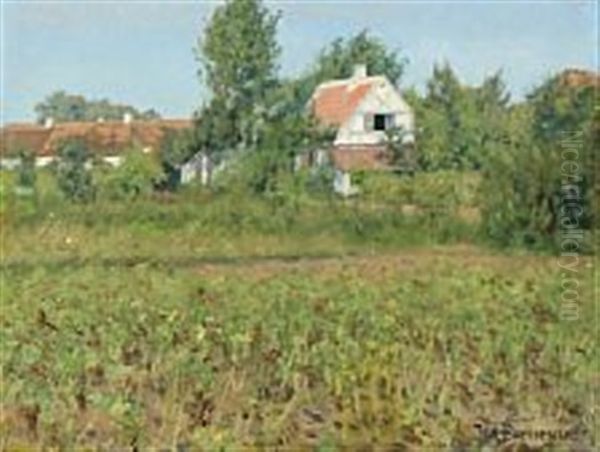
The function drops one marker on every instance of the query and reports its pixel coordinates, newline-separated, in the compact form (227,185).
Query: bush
(73,178)
(26,175)
(447,189)
(319,181)
(136,176)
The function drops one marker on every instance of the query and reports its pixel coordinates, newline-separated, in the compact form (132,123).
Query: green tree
(566,126)
(238,54)
(215,131)
(457,124)
(528,192)
(490,117)
(339,58)
(61,107)
(73,178)
(337,61)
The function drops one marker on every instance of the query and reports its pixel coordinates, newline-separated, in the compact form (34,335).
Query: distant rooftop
(103,137)
(577,78)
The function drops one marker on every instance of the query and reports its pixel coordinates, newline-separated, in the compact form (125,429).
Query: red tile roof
(579,78)
(101,137)
(65,131)
(22,137)
(334,102)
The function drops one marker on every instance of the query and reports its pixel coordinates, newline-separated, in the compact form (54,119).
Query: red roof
(334,102)
(64,131)
(22,137)
(580,78)
(103,137)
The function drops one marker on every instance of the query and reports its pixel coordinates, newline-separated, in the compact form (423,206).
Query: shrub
(26,175)
(446,189)
(319,181)
(264,167)
(73,178)
(136,176)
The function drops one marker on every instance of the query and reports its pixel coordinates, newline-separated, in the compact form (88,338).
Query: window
(383,122)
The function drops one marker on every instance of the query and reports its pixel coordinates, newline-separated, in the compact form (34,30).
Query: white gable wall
(383,98)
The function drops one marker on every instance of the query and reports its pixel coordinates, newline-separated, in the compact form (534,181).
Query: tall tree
(238,54)
(438,120)
(457,123)
(338,59)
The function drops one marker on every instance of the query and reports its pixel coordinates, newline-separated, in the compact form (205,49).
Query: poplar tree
(238,54)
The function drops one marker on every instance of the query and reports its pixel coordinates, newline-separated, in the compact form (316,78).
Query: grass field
(204,322)
(405,350)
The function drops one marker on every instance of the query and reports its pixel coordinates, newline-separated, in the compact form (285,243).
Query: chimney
(49,122)
(127,118)
(360,71)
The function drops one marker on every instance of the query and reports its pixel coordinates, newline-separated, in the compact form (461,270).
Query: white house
(361,108)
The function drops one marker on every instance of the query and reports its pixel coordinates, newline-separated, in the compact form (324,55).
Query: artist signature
(502,432)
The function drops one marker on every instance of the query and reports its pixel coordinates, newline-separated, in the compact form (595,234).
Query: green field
(203,321)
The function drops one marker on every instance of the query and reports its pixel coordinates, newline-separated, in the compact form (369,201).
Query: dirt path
(426,257)
(382,265)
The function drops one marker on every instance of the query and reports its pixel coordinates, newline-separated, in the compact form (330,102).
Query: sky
(141,52)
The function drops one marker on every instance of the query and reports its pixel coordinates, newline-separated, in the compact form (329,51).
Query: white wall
(9,163)
(43,161)
(115,160)
(40,162)
(188,172)
(342,184)
(382,99)
(199,165)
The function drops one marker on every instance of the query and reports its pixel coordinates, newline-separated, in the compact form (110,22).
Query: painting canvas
(291,225)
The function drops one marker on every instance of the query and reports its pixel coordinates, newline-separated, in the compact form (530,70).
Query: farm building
(362,109)
(107,139)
